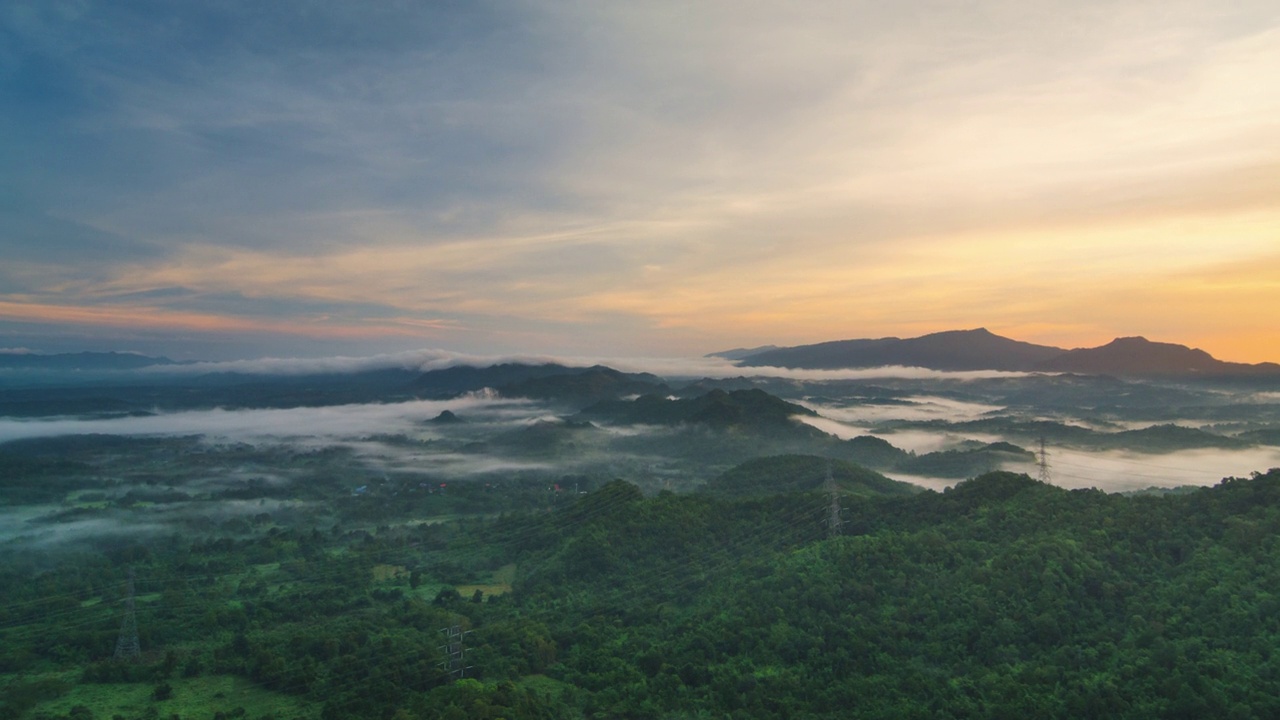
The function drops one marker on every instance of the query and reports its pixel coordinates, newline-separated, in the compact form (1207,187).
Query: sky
(238,179)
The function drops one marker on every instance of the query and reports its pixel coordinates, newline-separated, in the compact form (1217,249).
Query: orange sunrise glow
(642,180)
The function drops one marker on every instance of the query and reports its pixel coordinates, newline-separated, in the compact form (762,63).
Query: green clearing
(499,583)
(199,697)
(383,573)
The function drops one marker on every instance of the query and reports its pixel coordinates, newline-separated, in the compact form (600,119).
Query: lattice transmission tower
(455,653)
(127,646)
(833,493)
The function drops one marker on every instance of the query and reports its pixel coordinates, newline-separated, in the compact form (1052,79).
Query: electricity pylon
(1043,462)
(454,652)
(127,646)
(833,518)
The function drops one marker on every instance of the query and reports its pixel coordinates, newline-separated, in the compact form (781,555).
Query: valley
(627,544)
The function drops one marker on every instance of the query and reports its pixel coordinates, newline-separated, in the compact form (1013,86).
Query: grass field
(197,698)
(382,573)
(498,584)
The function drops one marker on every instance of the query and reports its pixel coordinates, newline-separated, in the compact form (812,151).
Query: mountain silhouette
(1138,356)
(81,361)
(980,349)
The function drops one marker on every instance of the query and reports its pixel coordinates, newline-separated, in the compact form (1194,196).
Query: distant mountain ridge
(81,361)
(740,353)
(980,349)
(952,350)
(1140,356)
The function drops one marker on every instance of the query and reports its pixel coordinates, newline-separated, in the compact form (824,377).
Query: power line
(127,645)
(455,652)
(833,517)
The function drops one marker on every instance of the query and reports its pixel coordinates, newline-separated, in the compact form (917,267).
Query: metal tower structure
(1043,462)
(127,646)
(833,518)
(455,652)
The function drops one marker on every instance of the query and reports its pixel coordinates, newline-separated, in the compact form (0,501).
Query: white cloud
(315,425)
(914,407)
(421,360)
(1118,471)
(672,367)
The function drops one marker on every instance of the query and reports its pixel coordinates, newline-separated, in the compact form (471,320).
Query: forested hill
(1138,356)
(548,381)
(977,349)
(742,409)
(583,387)
(788,473)
(1003,597)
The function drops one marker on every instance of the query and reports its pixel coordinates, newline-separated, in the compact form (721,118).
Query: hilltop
(1138,356)
(738,409)
(800,473)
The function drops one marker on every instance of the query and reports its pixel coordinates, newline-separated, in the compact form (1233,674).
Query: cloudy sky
(239,178)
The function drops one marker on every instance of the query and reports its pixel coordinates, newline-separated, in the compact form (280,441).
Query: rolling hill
(792,473)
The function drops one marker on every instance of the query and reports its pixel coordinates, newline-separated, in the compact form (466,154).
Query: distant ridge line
(81,361)
(980,349)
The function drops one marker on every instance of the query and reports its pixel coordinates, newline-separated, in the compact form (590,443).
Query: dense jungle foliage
(1002,597)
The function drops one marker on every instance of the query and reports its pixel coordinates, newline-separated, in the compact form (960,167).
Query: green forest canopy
(1002,597)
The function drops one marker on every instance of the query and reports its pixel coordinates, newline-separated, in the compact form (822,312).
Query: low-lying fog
(696,367)
(918,407)
(1115,471)
(1108,470)
(307,424)
(372,431)
(400,440)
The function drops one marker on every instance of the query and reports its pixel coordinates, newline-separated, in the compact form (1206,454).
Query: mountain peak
(1137,356)
(981,349)
(977,349)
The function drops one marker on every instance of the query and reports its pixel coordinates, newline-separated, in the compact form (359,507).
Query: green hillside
(1001,597)
(801,473)
(745,410)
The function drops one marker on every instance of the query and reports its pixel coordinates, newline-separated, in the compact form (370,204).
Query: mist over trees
(580,542)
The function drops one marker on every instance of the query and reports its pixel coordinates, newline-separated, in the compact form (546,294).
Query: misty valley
(566,360)
(524,539)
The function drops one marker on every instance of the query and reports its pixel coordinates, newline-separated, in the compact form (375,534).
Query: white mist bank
(846,422)
(1116,471)
(1107,470)
(314,424)
(1120,471)
(678,367)
(912,408)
